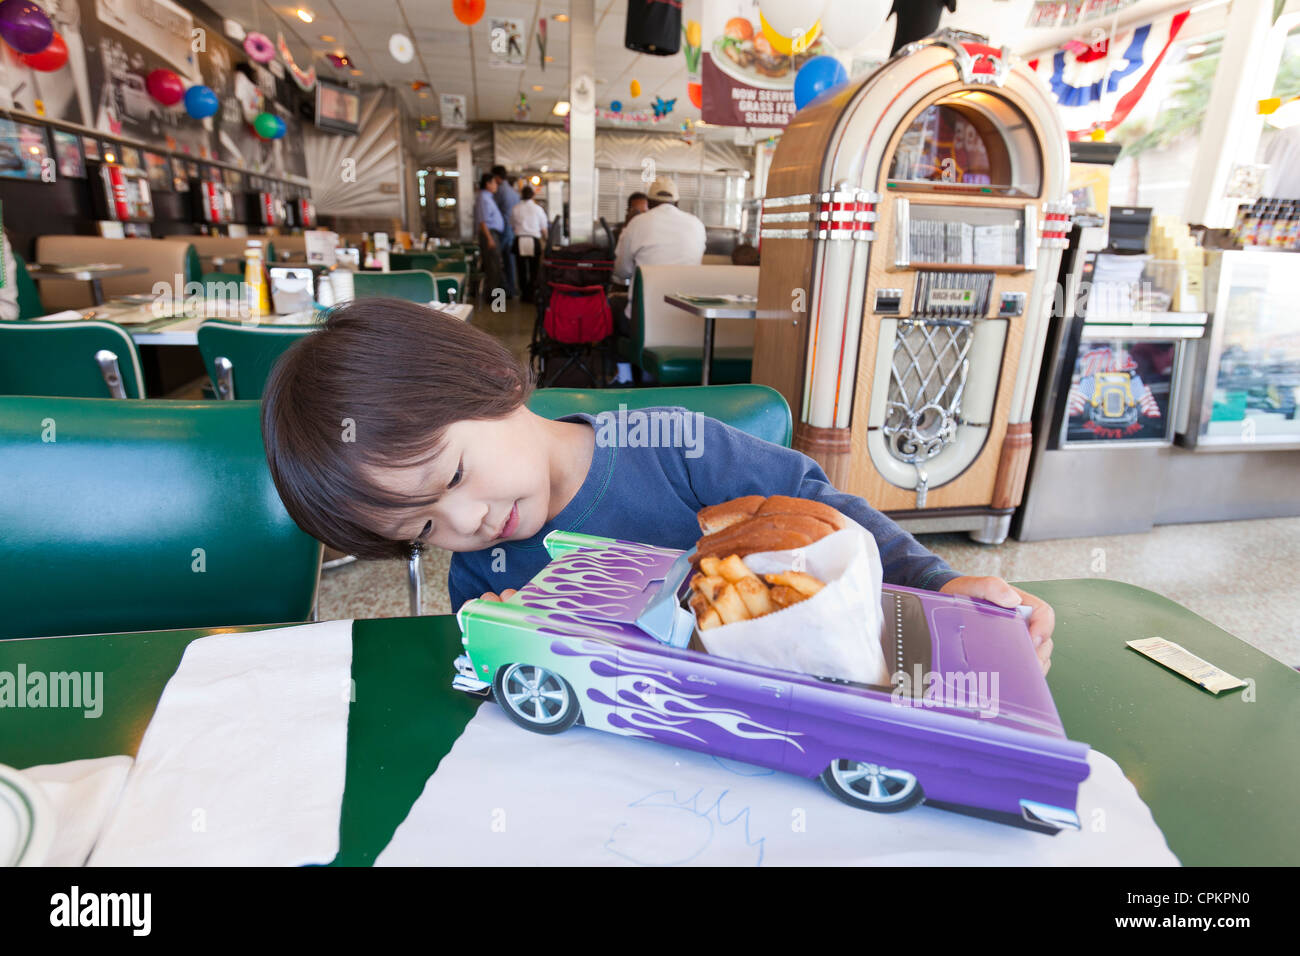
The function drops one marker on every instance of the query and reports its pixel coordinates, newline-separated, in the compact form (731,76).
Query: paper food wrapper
(834,633)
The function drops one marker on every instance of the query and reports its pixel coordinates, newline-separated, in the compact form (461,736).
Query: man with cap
(662,236)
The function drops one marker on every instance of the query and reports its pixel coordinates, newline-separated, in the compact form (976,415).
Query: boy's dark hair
(634,197)
(527,193)
(499,171)
(484,180)
(376,387)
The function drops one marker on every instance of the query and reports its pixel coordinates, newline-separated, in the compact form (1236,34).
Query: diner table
(711,308)
(91,273)
(1219,773)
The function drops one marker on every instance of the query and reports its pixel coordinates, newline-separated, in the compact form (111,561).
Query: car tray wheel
(535,698)
(871,786)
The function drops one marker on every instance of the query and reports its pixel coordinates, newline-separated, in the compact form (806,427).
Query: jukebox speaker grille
(927,378)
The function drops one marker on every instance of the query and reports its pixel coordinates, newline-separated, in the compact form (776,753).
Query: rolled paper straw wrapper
(341,279)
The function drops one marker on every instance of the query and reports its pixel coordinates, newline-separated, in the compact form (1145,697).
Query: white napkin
(585,797)
(244,760)
(82,792)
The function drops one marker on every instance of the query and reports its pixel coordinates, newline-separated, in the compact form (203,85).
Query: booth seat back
(225,247)
(288,249)
(126,516)
(80,358)
(414,285)
(755,409)
(666,325)
(165,259)
(251,352)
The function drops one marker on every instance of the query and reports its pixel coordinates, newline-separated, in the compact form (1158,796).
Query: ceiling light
(326,38)
(550,59)
(536,88)
(306,16)
(356,72)
(536,180)
(561,18)
(561,108)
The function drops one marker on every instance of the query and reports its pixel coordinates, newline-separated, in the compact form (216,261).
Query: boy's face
(493,483)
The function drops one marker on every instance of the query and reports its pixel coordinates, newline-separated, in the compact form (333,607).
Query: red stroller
(573,337)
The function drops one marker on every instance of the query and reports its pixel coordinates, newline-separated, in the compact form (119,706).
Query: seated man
(662,236)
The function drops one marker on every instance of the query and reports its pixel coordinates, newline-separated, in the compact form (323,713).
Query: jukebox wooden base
(915,213)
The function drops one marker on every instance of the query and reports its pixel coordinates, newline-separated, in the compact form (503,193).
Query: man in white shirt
(529,222)
(663,236)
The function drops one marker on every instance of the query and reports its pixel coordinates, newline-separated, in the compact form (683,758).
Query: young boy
(396,425)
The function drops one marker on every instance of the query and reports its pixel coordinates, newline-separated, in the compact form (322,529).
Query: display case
(1244,383)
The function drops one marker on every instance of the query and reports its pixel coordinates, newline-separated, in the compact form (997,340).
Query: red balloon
(50,59)
(468,12)
(165,86)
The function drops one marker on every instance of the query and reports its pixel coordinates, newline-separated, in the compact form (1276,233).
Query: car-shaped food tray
(599,637)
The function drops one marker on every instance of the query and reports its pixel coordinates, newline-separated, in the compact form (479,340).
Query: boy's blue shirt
(652,495)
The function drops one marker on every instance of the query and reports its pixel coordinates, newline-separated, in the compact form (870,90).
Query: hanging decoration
(688,132)
(1097,84)
(419,86)
(24,26)
(522,109)
(615,106)
(691,33)
(52,58)
(663,107)
(1050,14)
(634,88)
(165,87)
(468,12)
(815,77)
(400,48)
(795,32)
(259,49)
(541,42)
(306,79)
(269,126)
(339,61)
(201,101)
(624,117)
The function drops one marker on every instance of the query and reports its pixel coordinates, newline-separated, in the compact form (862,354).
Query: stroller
(573,337)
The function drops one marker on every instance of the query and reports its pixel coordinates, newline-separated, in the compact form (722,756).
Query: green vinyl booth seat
(252,352)
(682,364)
(415,285)
(59,358)
(755,409)
(402,261)
(146,515)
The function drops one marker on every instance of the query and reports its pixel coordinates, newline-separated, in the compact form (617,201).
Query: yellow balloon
(634,88)
(786,45)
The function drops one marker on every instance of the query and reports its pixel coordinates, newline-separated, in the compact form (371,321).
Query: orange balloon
(468,12)
(634,88)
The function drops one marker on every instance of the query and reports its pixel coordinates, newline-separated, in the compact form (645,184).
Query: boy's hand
(1041,622)
(507,594)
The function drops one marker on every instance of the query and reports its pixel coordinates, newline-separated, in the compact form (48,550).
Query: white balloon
(401,48)
(846,23)
(791,17)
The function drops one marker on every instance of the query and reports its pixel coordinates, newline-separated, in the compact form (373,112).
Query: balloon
(280,128)
(846,23)
(165,86)
(50,59)
(789,18)
(815,77)
(259,48)
(468,12)
(634,88)
(615,106)
(400,48)
(786,45)
(696,92)
(268,125)
(200,101)
(24,26)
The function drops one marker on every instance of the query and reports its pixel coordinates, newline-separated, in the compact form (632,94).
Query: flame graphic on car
(608,583)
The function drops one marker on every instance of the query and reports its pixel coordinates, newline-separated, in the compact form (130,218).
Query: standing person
(490,229)
(528,220)
(662,236)
(507,198)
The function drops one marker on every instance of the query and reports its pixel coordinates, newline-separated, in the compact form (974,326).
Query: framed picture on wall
(90,146)
(180,175)
(67,149)
(160,172)
(130,158)
(17,161)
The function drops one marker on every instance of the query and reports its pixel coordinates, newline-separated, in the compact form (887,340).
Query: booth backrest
(146,515)
(288,248)
(252,352)
(226,247)
(668,325)
(59,358)
(165,259)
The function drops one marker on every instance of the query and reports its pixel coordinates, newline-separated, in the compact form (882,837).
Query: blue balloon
(280,128)
(616,106)
(815,77)
(200,101)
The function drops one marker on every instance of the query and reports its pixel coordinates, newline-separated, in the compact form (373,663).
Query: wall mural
(115,46)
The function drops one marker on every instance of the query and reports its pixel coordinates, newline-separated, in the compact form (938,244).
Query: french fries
(726,591)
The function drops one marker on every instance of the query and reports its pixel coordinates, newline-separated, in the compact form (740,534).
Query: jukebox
(214,204)
(911,234)
(121,194)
